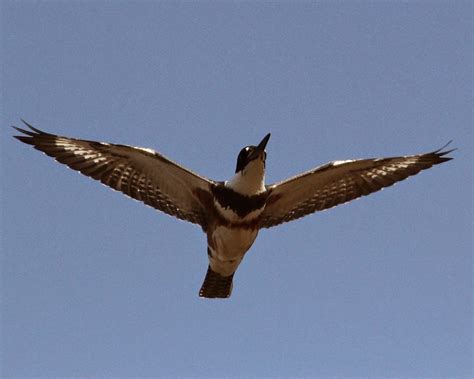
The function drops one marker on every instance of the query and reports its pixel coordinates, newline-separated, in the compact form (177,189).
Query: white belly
(228,247)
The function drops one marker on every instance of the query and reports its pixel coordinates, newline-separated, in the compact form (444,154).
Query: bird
(232,212)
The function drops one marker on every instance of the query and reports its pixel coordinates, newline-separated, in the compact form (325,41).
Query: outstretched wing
(142,174)
(339,182)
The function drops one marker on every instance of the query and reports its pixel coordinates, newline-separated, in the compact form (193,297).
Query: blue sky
(97,285)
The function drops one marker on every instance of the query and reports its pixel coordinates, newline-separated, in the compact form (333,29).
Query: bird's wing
(339,182)
(142,174)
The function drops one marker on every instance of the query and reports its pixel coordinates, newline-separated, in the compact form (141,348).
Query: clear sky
(97,285)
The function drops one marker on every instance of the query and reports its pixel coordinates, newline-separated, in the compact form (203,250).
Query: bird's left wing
(339,182)
(142,174)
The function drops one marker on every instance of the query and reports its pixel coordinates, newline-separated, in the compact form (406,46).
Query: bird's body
(237,205)
(231,212)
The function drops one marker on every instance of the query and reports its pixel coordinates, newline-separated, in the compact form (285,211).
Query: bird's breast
(236,215)
(237,208)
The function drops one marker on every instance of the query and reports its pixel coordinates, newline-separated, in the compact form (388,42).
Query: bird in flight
(231,212)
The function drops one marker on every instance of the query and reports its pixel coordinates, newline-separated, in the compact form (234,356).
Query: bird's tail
(216,285)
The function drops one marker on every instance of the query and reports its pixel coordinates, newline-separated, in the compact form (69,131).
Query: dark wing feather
(339,182)
(142,174)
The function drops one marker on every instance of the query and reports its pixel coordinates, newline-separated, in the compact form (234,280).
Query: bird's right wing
(142,174)
(339,182)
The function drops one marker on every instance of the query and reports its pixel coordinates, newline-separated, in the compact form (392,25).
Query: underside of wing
(142,174)
(339,182)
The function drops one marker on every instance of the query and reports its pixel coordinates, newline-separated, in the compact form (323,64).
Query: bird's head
(252,154)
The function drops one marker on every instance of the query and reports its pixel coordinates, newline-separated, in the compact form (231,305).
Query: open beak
(260,150)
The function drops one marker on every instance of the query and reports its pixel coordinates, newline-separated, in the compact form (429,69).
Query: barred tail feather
(216,285)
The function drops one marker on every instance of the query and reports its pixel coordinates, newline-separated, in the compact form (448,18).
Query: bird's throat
(250,181)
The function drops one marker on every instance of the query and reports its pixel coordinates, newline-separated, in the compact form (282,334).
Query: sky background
(97,285)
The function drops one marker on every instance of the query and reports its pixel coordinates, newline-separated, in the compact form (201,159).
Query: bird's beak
(260,150)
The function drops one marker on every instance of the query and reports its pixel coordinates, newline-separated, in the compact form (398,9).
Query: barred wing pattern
(142,174)
(339,182)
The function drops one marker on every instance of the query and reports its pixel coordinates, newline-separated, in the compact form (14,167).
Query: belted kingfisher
(231,212)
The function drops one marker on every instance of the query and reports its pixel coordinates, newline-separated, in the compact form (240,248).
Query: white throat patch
(251,180)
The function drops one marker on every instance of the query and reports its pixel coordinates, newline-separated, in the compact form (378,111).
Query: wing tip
(36,130)
(32,132)
(25,139)
(440,154)
(440,151)
(29,136)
